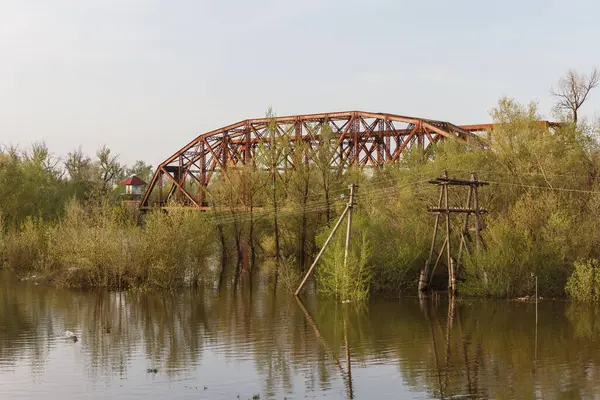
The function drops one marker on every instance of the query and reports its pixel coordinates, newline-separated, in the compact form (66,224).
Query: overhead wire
(368,190)
(318,206)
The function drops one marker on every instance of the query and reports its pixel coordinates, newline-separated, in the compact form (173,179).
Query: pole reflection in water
(348,361)
(346,375)
(246,342)
(452,368)
(429,316)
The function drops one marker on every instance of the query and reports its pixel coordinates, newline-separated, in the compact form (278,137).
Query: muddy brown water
(204,344)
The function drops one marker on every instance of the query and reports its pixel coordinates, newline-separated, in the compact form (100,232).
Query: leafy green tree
(81,172)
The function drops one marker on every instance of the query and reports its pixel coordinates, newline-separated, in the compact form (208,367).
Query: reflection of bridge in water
(346,139)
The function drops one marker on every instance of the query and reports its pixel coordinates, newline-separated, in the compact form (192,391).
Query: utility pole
(349,228)
(347,210)
(443,209)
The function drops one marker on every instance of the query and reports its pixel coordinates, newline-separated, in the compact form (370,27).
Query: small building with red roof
(134,185)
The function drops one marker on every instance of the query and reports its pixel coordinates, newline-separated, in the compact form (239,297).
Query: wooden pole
(310,270)
(349,228)
(437,261)
(453,265)
(465,232)
(477,214)
(451,278)
(424,278)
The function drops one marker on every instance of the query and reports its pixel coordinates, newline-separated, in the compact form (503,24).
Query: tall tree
(81,171)
(329,175)
(109,168)
(299,182)
(252,184)
(271,156)
(573,89)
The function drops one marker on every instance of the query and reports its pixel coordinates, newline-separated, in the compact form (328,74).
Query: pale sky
(146,76)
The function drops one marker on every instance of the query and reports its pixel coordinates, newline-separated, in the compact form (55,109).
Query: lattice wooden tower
(466,239)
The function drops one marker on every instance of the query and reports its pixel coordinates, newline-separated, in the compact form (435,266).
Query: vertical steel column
(247,143)
(225,150)
(379,142)
(355,138)
(179,179)
(202,177)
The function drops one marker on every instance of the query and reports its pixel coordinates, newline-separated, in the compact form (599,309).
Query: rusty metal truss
(359,139)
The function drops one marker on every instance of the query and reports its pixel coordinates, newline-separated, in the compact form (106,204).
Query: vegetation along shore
(65,219)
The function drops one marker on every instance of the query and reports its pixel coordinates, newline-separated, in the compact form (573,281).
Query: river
(205,344)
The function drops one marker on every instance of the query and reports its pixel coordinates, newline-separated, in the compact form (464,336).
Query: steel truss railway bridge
(356,139)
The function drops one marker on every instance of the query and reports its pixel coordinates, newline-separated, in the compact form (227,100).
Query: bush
(532,237)
(584,283)
(100,246)
(92,247)
(349,282)
(173,248)
(25,249)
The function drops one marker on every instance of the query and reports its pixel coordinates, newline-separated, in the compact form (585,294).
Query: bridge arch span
(357,138)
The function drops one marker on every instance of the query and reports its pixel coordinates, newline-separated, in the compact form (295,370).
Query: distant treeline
(36,183)
(68,223)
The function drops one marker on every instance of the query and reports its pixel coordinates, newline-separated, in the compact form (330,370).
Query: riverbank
(541,201)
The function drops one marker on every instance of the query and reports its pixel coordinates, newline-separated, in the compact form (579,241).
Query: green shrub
(350,281)
(100,246)
(91,247)
(25,249)
(584,283)
(173,248)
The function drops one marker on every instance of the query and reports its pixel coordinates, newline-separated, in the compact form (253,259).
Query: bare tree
(108,167)
(573,90)
(79,166)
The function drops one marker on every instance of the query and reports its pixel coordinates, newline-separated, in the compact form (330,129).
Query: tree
(252,184)
(300,179)
(79,166)
(40,156)
(323,158)
(109,168)
(142,170)
(226,195)
(271,156)
(573,89)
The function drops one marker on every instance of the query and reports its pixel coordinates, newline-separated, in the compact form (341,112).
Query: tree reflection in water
(437,348)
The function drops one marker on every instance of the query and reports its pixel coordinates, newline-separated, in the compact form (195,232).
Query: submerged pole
(349,228)
(335,228)
(310,270)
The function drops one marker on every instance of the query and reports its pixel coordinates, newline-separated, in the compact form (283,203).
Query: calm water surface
(210,345)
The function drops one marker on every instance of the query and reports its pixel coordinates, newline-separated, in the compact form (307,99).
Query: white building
(134,185)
